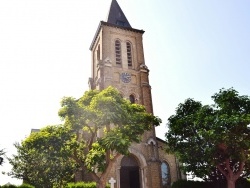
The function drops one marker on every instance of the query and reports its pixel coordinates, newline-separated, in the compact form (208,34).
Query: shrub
(15,186)
(190,184)
(83,185)
(25,185)
(240,183)
(9,186)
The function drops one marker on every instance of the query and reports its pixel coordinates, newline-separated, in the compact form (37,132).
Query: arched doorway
(129,173)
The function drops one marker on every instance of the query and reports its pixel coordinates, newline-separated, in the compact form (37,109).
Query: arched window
(98,52)
(129,54)
(132,99)
(165,175)
(118,57)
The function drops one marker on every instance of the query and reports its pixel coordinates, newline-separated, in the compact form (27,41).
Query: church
(117,59)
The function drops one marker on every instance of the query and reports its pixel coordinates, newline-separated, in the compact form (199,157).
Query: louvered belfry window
(129,54)
(118,58)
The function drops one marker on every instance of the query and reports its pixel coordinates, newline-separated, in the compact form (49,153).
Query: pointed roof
(116,15)
(116,18)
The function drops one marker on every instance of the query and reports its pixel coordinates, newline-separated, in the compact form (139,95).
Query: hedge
(241,183)
(69,185)
(17,186)
(83,185)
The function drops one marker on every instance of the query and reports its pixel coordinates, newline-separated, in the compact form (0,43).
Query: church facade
(118,61)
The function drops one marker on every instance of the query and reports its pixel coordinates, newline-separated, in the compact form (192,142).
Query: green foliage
(15,186)
(95,156)
(9,186)
(98,128)
(106,112)
(191,184)
(241,183)
(40,159)
(205,137)
(26,186)
(83,185)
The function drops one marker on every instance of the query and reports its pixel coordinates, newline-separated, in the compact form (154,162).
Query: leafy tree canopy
(42,161)
(97,128)
(210,137)
(109,125)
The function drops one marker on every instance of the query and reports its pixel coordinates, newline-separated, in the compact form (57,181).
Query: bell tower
(118,61)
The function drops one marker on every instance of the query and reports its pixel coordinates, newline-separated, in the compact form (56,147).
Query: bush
(83,185)
(240,183)
(9,186)
(190,184)
(26,186)
(15,186)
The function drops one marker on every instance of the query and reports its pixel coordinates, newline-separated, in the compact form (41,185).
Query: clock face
(125,77)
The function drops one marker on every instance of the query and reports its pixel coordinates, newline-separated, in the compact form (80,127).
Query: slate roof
(116,18)
(116,15)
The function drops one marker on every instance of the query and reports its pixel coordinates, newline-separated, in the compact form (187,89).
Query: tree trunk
(101,184)
(230,175)
(230,183)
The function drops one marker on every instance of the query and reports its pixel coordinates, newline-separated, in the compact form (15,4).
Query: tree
(98,128)
(212,138)
(42,161)
(1,154)
(109,125)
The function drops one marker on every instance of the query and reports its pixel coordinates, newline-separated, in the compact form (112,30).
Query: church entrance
(129,173)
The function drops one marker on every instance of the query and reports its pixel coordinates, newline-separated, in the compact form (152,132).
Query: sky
(192,48)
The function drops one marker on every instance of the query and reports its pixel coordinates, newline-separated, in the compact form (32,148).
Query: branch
(116,156)
(95,177)
(93,174)
(89,128)
(109,166)
(91,140)
(222,170)
(107,157)
(230,171)
(241,167)
(74,156)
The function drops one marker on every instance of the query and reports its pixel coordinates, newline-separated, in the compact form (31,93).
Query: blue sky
(192,48)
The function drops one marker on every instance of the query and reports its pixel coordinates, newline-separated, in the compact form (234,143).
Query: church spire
(116,15)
